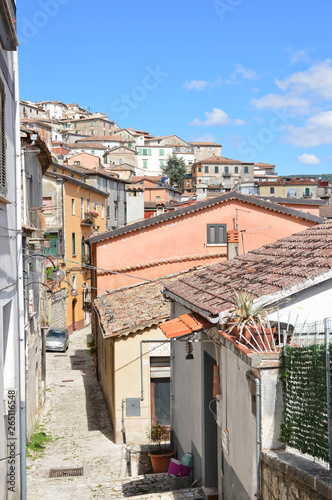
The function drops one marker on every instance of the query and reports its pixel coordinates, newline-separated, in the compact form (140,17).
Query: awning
(184,325)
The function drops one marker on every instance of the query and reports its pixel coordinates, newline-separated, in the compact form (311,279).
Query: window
(74,282)
(161,163)
(83,247)
(307,192)
(47,205)
(88,205)
(82,208)
(216,169)
(55,169)
(198,148)
(145,163)
(216,234)
(145,152)
(210,148)
(73,206)
(157,198)
(120,161)
(245,170)
(115,211)
(200,169)
(206,169)
(73,247)
(161,152)
(92,124)
(93,151)
(271,190)
(236,170)
(102,211)
(108,211)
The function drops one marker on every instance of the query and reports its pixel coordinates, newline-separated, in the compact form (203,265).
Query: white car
(57,339)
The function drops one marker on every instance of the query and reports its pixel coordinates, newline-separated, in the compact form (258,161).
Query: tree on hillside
(175,170)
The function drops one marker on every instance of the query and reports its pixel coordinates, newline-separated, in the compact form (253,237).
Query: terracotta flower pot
(160,462)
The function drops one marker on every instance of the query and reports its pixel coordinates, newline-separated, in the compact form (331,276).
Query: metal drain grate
(78,471)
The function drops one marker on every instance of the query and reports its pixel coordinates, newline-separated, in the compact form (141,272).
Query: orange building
(190,236)
(73,211)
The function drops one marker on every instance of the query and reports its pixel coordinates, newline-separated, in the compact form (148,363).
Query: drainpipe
(20,298)
(123,430)
(258,430)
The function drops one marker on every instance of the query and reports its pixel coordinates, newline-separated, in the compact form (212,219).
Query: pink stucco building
(190,236)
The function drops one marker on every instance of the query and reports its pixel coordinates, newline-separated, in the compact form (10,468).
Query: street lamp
(57,273)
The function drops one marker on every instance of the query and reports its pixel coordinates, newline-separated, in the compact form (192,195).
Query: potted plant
(91,344)
(161,454)
(246,321)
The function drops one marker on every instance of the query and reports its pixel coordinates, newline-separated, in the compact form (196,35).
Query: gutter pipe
(20,296)
(258,429)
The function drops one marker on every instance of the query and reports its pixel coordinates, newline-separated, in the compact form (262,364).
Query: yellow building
(73,211)
(289,187)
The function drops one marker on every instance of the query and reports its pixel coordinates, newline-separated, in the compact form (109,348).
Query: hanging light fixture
(189,350)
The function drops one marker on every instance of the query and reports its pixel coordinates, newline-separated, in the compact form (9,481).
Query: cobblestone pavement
(76,418)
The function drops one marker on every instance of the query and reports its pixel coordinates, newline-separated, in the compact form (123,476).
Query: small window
(216,169)
(93,151)
(55,169)
(73,206)
(200,169)
(47,205)
(210,148)
(226,170)
(115,211)
(145,152)
(82,208)
(272,190)
(161,152)
(216,234)
(145,163)
(206,169)
(102,212)
(198,148)
(236,170)
(246,170)
(161,163)
(73,246)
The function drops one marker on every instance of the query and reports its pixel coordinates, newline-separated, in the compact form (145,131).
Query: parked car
(57,339)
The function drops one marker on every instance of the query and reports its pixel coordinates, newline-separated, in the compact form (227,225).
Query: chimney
(232,244)
(201,192)
(160,205)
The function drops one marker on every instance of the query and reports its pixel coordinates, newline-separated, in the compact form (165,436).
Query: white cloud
(244,73)
(202,84)
(316,79)
(298,55)
(205,138)
(316,131)
(196,85)
(275,101)
(216,118)
(309,159)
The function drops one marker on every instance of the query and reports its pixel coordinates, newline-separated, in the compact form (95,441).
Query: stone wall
(288,476)
(59,309)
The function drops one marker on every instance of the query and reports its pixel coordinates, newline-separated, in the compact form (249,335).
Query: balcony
(8,24)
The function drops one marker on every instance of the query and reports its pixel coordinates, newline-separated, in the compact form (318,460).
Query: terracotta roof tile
(264,271)
(145,302)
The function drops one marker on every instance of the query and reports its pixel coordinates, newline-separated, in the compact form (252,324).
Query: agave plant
(245,313)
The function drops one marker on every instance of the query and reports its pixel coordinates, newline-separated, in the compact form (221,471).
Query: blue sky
(253,75)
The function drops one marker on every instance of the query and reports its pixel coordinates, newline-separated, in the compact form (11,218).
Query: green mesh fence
(305,424)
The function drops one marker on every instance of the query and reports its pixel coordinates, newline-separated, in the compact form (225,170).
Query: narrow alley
(76,418)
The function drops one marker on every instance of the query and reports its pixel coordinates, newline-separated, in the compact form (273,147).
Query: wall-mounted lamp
(189,350)
(57,273)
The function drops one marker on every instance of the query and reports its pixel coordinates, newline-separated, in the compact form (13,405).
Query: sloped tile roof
(133,308)
(293,261)
(233,195)
(184,325)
